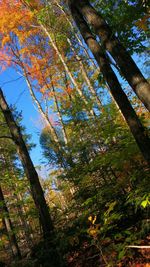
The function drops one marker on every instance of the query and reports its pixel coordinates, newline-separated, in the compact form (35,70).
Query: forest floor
(80,259)
(85,256)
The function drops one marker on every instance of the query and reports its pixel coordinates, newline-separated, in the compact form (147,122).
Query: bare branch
(142,247)
(5,136)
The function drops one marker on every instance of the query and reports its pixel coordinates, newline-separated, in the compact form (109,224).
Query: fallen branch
(94,256)
(142,247)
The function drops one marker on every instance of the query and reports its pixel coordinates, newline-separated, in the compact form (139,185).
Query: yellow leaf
(93,232)
(90,218)
(94,220)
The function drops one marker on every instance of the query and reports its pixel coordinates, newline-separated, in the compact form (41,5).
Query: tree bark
(21,214)
(75,34)
(85,76)
(79,91)
(14,186)
(9,226)
(35,100)
(44,115)
(112,44)
(59,114)
(36,189)
(120,97)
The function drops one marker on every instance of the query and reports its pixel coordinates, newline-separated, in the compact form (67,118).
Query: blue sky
(16,92)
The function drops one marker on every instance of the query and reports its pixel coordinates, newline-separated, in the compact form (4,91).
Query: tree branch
(6,136)
(142,247)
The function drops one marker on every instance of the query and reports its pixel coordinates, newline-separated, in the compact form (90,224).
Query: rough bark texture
(9,227)
(120,97)
(36,189)
(112,44)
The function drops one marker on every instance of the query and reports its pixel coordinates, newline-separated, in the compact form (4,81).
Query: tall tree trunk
(85,76)
(59,114)
(67,17)
(65,138)
(79,91)
(57,148)
(111,43)
(9,226)
(44,115)
(24,222)
(35,100)
(36,189)
(41,111)
(120,97)
(18,199)
(21,213)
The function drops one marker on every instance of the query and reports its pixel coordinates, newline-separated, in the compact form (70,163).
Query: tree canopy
(79,63)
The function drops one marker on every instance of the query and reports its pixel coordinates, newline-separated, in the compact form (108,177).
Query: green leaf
(145,203)
(121,254)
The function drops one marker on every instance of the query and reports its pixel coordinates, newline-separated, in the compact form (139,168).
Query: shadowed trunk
(120,97)
(36,189)
(112,44)
(9,226)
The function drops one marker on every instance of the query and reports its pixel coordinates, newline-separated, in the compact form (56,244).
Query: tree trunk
(9,226)
(18,199)
(79,91)
(36,101)
(36,189)
(85,75)
(75,34)
(59,114)
(22,215)
(41,111)
(111,43)
(120,97)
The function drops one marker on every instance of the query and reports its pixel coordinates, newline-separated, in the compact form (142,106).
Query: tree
(30,171)
(9,226)
(109,41)
(121,99)
(106,183)
(91,140)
